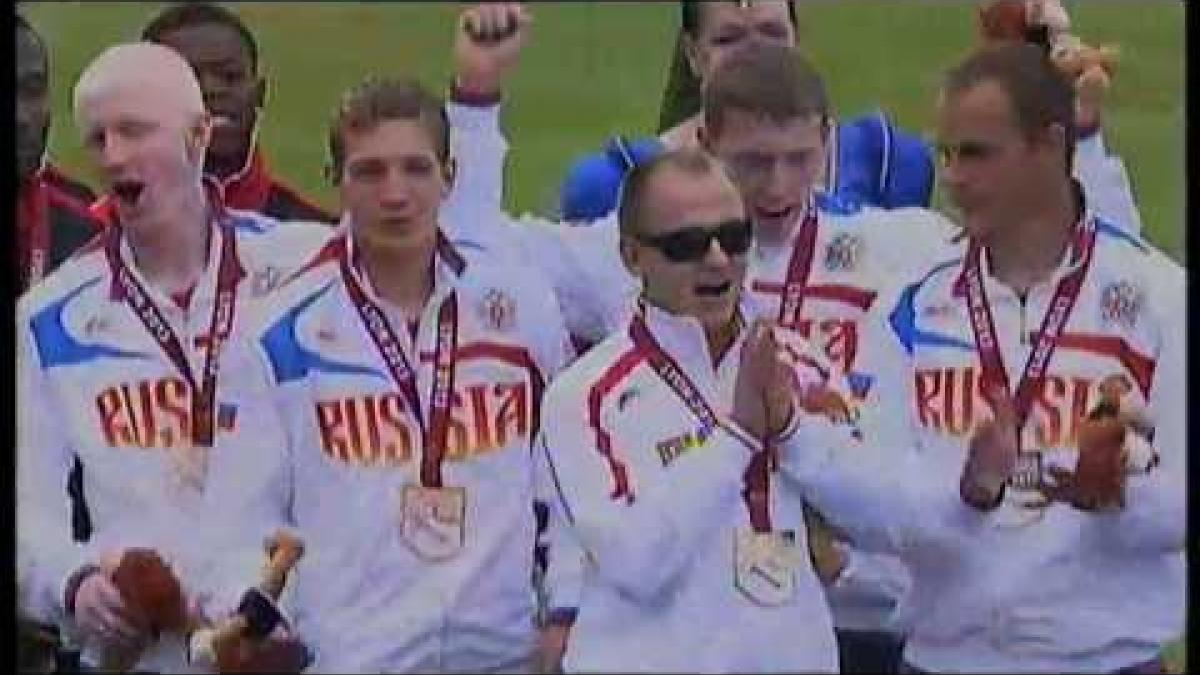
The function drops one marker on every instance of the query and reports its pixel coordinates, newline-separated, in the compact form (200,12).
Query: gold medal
(1024,502)
(764,566)
(433,521)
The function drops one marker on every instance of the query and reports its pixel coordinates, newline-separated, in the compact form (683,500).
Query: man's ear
(1053,138)
(198,137)
(704,137)
(631,256)
(331,174)
(449,173)
(691,53)
(260,92)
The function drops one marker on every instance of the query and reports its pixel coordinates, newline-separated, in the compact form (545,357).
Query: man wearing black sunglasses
(653,445)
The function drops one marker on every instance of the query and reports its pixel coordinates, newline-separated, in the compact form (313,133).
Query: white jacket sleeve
(903,243)
(593,286)
(583,264)
(46,551)
(640,546)
(1106,184)
(867,580)
(879,490)
(562,580)
(1155,513)
(479,150)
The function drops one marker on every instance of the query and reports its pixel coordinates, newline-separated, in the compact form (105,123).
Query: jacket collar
(684,339)
(250,187)
(448,264)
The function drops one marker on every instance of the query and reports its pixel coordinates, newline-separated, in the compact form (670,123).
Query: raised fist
(487,43)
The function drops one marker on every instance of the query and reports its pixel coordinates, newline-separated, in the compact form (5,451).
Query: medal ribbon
(229,273)
(982,324)
(799,269)
(757,480)
(433,436)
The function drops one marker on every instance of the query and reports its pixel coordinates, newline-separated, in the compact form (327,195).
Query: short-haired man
(410,376)
(694,542)
(869,162)
(224,54)
(1041,376)
(120,370)
(52,209)
(817,266)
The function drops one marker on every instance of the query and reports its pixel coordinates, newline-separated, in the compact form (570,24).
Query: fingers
(492,22)
(101,608)
(1003,410)
(1061,487)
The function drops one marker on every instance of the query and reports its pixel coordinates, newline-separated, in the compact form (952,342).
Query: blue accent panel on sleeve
(903,318)
(1106,228)
(250,223)
(593,183)
(837,204)
(57,347)
(290,360)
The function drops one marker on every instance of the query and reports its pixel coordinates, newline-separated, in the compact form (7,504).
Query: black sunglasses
(691,244)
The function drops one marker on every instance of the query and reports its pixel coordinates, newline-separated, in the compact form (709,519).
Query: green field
(593,69)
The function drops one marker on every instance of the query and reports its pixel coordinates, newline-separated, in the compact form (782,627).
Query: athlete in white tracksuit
(83,353)
(653,493)
(94,384)
(1031,585)
(368,596)
(857,252)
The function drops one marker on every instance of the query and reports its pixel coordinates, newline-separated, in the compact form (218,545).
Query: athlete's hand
(487,44)
(104,617)
(280,652)
(552,644)
(827,557)
(992,454)
(763,394)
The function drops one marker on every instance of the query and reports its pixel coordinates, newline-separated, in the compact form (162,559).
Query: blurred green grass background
(597,68)
(594,69)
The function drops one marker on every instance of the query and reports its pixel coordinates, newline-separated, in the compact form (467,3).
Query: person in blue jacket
(871,162)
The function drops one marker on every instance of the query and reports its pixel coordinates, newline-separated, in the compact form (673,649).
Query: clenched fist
(488,42)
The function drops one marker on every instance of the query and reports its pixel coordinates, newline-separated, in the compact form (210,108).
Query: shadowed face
(233,89)
(725,27)
(33,103)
